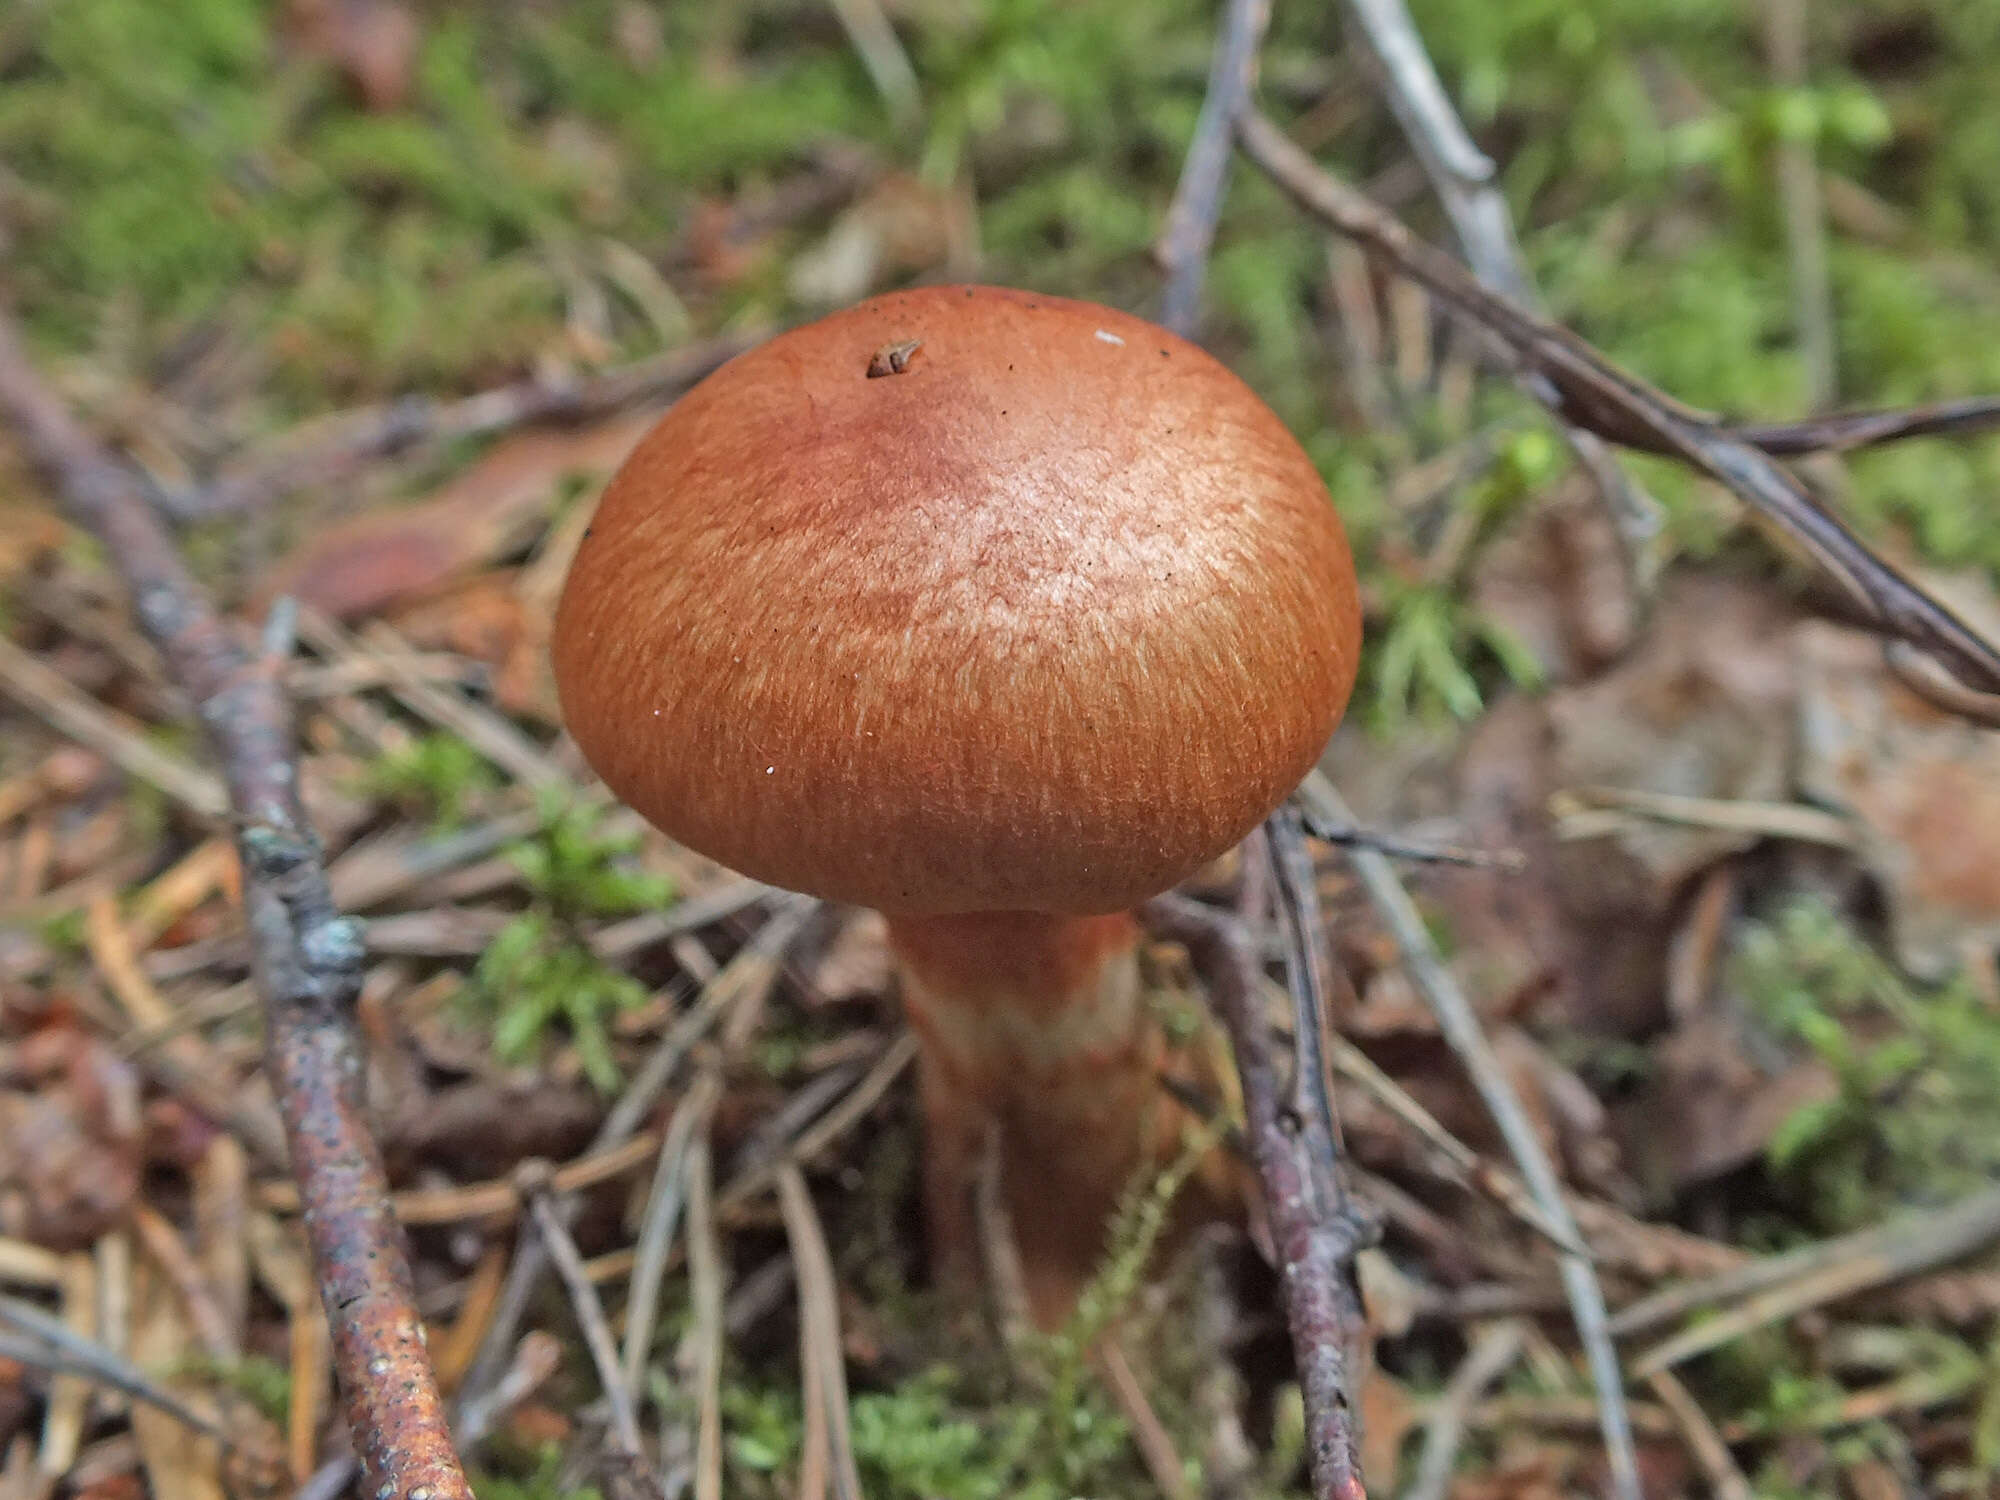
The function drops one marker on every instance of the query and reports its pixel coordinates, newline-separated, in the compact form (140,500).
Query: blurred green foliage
(436,776)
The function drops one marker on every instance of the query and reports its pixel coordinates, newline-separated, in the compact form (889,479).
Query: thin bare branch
(306,957)
(45,1342)
(1462,176)
(1315,1240)
(1183,246)
(1462,1033)
(1845,431)
(1622,409)
(337,447)
(1347,836)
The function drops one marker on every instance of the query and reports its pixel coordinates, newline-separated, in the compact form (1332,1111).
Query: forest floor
(1740,964)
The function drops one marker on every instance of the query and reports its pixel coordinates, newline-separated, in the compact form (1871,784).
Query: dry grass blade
(820,1353)
(118,739)
(663,1210)
(1462,1162)
(1704,1443)
(69,1397)
(204,1315)
(705,1278)
(499,1200)
(589,1310)
(1769,1271)
(882,54)
(1149,1433)
(23,1264)
(489,734)
(1461,1031)
(1866,1261)
(1592,811)
(740,983)
(829,1127)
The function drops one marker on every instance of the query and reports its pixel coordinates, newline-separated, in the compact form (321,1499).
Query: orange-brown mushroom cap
(1042,621)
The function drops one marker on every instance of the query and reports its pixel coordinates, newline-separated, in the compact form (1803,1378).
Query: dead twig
(1348,836)
(1845,431)
(1314,1240)
(1596,395)
(335,447)
(1462,1033)
(1183,246)
(307,958)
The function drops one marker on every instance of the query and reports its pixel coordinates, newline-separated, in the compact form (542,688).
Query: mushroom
(998,613)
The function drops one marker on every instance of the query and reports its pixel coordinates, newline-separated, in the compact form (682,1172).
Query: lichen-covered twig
(306,957)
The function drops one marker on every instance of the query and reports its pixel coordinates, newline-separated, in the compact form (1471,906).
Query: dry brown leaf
(1923,786)
(1712,1104)
(372,43)
(73,1137)
(380,561)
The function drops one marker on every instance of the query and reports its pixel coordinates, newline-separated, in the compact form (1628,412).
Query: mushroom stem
(1036,1024)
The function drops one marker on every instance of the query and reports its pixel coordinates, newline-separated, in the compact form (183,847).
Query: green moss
(437,777)
(540,970)
(1917,1114)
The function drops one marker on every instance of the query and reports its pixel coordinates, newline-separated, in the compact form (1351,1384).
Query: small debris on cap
(893,359)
